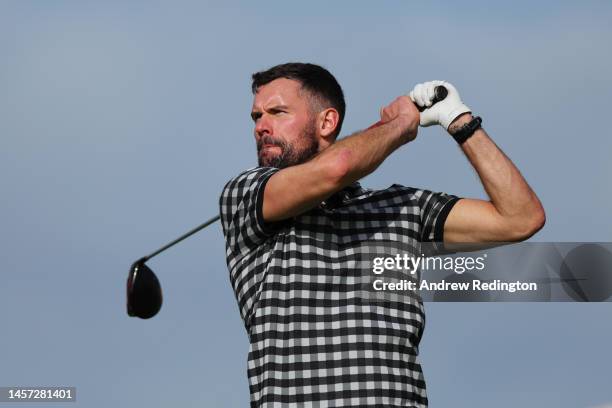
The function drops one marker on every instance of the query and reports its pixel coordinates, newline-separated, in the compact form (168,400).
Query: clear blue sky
(121,121)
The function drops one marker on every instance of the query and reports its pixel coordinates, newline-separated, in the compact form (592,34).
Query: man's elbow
(528,225)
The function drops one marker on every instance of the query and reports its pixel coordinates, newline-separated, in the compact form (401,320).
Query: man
(295,224)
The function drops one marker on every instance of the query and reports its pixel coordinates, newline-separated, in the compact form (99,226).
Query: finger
(430,93)
(411,95)
(419,95)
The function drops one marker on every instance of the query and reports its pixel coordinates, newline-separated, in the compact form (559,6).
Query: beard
(290,155)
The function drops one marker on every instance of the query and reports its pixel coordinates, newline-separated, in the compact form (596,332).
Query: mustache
(268,140)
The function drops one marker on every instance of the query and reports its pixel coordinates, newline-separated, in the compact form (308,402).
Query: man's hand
(442,113)
(405,113)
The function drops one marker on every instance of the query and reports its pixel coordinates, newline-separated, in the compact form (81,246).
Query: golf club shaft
(440,94)
(179,239)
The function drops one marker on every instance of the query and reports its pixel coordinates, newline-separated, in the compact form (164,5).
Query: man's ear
(327,123)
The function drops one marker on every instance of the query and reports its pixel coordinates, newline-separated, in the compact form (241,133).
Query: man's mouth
(269,146)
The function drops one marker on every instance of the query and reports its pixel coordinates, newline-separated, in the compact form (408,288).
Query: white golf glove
(443,112)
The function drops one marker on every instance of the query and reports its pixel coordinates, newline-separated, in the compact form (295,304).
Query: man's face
(285,127)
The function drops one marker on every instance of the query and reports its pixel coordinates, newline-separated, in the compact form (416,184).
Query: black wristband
(467,130)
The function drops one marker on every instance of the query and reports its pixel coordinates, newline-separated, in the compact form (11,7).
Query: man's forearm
(297,189)
(361,153)
(506,187)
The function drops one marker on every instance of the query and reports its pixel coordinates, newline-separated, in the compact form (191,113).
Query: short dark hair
(314,78)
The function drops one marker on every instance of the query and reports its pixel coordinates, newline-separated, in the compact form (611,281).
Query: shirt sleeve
(434,209)
(241,210)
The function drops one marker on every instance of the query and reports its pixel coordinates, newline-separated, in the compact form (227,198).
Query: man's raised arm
(514,212)
(296,189)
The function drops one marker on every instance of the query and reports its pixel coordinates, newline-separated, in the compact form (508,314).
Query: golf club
(144,294)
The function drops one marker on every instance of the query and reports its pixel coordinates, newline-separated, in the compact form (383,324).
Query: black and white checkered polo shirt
(315,341)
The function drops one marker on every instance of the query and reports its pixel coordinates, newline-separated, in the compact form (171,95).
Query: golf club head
(144,294)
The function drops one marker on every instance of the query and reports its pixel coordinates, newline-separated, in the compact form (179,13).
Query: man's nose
(263,126)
